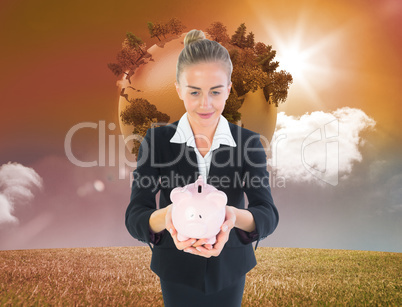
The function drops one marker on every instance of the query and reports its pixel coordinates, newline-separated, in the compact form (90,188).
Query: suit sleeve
(258,191)
(144,188)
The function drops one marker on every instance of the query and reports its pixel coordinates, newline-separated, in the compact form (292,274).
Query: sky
(335,160)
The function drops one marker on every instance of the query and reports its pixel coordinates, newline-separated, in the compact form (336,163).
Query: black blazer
(162,165)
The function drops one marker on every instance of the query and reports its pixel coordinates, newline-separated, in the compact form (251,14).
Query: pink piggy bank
(198,211)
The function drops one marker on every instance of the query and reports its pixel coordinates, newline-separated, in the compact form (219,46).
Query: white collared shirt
(184,134)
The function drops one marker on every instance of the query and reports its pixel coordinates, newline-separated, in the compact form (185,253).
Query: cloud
(16,185)
(318,147)
(92,199)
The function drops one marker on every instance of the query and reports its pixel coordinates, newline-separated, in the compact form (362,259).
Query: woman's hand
(222,237)
(179,244)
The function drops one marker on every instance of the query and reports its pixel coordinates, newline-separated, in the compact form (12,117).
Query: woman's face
(204,90)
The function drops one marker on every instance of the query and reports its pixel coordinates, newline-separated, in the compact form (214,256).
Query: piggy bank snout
(191,214)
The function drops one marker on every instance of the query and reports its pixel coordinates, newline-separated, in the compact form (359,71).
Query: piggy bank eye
(190,213)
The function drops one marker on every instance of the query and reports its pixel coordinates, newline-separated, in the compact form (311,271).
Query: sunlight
(293,60)
(311,61)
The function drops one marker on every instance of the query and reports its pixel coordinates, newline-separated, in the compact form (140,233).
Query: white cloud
(320,147)
(16,185)
(5,214)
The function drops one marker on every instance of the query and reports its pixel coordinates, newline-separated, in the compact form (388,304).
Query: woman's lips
(205,115)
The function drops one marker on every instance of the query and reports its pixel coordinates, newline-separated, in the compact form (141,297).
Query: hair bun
(193,36)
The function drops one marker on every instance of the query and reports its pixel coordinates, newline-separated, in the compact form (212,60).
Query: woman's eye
(194,93)
(215,93)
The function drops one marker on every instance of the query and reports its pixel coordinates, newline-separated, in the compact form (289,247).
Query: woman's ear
(178,90)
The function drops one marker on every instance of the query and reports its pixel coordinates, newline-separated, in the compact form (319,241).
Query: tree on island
(249,40)
(247,74)
(232,106)
(174,26)
(239,38)
(277,87)
(135,42)
(218,32)
(157,30)
(116,69)
(265,55)
(253,69)
(142,115)
(278,84)
(129,57)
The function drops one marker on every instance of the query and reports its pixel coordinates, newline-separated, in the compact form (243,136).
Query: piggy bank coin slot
(199,189)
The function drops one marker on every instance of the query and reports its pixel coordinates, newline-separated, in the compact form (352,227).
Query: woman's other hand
(222,237)
(181,245)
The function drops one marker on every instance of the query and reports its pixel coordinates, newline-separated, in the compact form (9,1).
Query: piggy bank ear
(179,194)
(217,197)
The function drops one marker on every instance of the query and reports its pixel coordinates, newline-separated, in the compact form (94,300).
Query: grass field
(120,276)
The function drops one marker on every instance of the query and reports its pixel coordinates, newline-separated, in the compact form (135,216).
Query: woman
(232,159)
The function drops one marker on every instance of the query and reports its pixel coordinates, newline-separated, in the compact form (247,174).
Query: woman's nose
(206,101)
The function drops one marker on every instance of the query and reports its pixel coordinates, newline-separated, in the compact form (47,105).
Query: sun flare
(294,60)
(311,61)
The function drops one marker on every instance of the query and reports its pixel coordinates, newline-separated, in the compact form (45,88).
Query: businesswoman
(231,158)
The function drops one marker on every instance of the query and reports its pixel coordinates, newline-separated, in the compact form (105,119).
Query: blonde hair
(198,49)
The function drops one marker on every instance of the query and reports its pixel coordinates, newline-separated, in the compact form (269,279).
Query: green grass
(121,276)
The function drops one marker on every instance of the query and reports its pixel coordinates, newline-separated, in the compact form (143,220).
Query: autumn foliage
(253,62)
(253,68)
(142,115)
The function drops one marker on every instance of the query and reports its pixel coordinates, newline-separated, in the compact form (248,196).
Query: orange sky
(54,58)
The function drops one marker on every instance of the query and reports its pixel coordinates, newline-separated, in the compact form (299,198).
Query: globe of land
(154,81)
